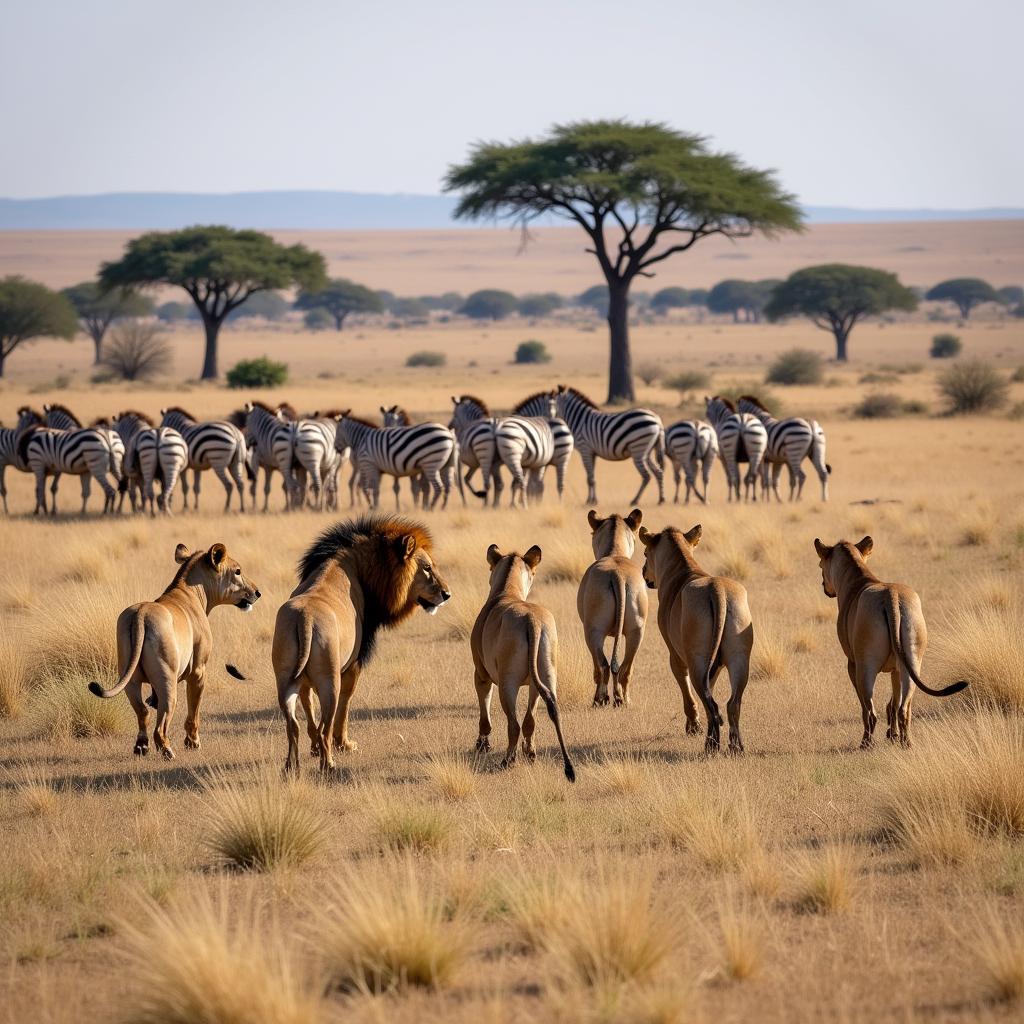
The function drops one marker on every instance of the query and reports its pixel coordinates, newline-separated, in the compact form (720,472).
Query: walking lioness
(358,577)
(881,629)
(706,624)
(612,602)
(163,641)
(515,644)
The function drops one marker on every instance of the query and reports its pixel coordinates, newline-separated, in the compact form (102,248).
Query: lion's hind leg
(141,708)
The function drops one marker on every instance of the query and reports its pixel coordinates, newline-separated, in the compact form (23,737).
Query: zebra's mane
(181,412)
(478,402)
(57,407)
(528,399)
(756,401)
(727,402)
(102,421)
(329,414)
(362,422)
(141,416)
(288,410)
(27,410)
(27,435)
(579,394)
(257,404)
(404,420)
(236,418)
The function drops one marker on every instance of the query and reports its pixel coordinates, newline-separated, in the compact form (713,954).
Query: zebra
(60,417)
(475,427)
(741,438)
(636,434)
(270,436)
(27,417)
(214,444)
(317,459)
(687,443)
(790,441)
(426,448)
(152,453)
(543,405)
(396,416)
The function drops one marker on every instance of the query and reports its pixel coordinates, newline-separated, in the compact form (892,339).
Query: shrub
(649,372)
(137,350)
(945,346)
(174,312)
(827,883)
(595,298)
(997,943)
(973,386)
(881,405)
(426,358)
(797,366)
(318,319)
(687,380)
(268,305)
(409,309)
(1017,377)
(540,305)
(532,352)
(490,304)
(257,373)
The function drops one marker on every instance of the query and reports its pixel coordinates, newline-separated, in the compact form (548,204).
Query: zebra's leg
(515,467)
(678,477)
(398,493)
(659,475)
(109,494)
(560,477)
(588,464)
(3,487)
(640,461)
(706,474)
(499,484)
(267,485)
(236,475)
(223,477)
(197,477)
(776,475)
(184,490)
(433,480)
(40,475)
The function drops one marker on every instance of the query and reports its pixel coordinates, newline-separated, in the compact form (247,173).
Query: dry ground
(786,885)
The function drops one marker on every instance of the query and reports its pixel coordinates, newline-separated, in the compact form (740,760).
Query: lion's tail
(305,646)
(549,699)
(138,638)
(619,591)
(718,612)
(894,620)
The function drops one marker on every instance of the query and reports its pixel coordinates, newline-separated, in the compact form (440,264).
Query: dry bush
(827,881)
(138,350)
(770,656)
(622,776)
(714,822)
(983,644)
(452,775)
(264,825)
(996,944)
(36,791)
(388,928)
(198,963)
(973,386)
(962,779)
(741,933)
(417,828)
(14,684)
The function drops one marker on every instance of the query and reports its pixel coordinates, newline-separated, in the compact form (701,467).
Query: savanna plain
(804,880)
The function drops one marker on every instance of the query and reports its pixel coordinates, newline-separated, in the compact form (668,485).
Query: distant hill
(327,211)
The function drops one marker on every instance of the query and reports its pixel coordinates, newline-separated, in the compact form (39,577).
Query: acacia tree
(31,310)
(97,310)
(218,267)
(835,296)
(641,192)
(341,297)
(965,293)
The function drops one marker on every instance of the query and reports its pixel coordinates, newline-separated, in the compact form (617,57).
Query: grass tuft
(716,823)
(826,882)
(451,774)
(997,944)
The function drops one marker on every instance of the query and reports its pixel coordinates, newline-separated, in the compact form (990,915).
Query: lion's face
(222,577)
(429,588)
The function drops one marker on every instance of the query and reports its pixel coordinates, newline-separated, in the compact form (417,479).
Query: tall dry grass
(996,945)
(826,881)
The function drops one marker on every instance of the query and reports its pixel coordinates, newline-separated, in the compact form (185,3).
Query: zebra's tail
(659,448)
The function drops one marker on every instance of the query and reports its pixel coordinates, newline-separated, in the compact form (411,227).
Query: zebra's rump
(791,437)
(405,450)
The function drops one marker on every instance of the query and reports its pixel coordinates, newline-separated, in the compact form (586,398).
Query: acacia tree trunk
(212,328)
(339,320)
(97,341)
(620,364)
(841,334)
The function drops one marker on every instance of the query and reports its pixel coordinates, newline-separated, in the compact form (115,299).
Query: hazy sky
(882,103)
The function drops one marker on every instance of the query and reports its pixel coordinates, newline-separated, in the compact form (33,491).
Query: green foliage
(880,405)
(1011,295)
(449,302)
(797,366)
(945,346)
(964,292)
(489,304)
(318,319)
(540,305)
(137,351)
(532,352)
(973,386)
(687,380)
(678,298)
(341,297)
(175,312)
(31,310)
(409,308)
(257,373)
(746,297)
(268,305)
(426,358)
(835,296)
(595,298)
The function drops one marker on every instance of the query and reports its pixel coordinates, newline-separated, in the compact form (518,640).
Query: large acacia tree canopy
(218,266)
(31,310)
(837,289)
(645,179)
(966,292)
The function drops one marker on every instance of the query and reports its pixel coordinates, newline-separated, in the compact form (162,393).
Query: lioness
(515,644)
(358,577)
(706,624)
(881,629)
(163,641)
(612,601)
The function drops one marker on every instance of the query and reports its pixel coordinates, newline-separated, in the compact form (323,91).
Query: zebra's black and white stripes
(151,454)
(542,406)
(688,443)
(741,438)
(215,444)
(475,427)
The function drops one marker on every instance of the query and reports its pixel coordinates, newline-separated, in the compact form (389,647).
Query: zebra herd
(128,454)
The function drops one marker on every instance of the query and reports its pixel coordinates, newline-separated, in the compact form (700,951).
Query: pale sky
(878,103)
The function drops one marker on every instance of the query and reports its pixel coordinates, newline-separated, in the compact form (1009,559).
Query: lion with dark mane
(358,577)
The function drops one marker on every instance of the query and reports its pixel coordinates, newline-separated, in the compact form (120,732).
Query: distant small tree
(747,297)
(31,310)
(532,352)
(218,267)
(835,296)
(97,310)
(317,319)
(670,298)
(341,298)
(964,292)
(448,301)
(266,305)
(257,373)
(490,304)
(137,350)
(541,304)
(945,346)
(174,312)
(426,358)
(595,298)
(1011,295)
(408,308)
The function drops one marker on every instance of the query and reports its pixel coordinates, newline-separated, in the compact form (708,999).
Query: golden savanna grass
(803,881)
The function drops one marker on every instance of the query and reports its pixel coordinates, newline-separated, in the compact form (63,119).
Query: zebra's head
(468,409)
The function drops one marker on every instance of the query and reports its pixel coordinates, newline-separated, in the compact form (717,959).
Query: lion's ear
(533,556)
(634,519)
(494,556)
(594,520)
(646,537)
(182,553)
(865,546)
(693,535)
(217,554)
(823,549)
(406,546)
